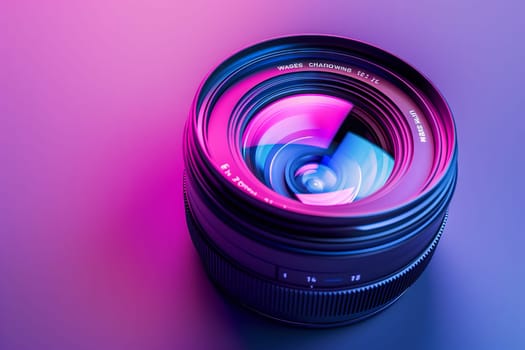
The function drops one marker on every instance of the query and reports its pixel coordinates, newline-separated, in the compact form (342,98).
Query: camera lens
(318,172)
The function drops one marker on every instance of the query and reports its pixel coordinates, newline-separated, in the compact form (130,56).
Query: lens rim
(440,120)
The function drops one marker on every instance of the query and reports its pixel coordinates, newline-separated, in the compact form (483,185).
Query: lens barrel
(318,172)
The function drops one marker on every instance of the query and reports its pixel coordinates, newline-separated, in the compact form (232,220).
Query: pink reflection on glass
(304,127)
(329,198)
(311,119)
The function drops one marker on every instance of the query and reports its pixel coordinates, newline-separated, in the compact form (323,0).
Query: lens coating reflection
(294,146)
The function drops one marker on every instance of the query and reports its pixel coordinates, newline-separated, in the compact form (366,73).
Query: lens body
(318,172)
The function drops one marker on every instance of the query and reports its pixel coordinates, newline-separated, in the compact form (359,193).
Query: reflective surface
(299,147)
(94,250)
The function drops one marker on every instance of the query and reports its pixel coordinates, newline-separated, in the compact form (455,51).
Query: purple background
(94,252)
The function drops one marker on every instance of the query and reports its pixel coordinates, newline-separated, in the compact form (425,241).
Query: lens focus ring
(319,308)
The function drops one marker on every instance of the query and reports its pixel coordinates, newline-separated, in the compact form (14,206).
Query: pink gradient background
(94,251)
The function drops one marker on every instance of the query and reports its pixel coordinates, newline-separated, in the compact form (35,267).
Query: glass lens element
(300,147)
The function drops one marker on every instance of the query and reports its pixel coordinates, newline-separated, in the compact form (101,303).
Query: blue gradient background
(94,252)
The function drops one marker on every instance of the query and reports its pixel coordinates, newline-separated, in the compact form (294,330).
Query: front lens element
(303,147)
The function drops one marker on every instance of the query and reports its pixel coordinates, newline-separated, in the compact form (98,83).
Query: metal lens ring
(317,164)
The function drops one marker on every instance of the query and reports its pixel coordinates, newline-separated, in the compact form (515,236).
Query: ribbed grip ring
(315,308)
